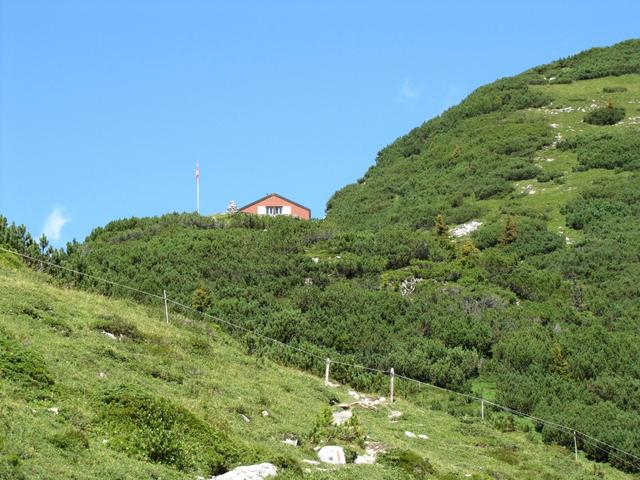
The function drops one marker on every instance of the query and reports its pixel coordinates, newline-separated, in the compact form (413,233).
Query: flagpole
(197,189)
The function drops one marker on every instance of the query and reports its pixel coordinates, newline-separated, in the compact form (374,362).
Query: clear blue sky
(105,106)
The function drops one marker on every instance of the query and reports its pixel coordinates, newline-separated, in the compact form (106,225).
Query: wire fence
(627,458)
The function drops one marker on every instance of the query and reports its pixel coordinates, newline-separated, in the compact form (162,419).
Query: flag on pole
(197,188)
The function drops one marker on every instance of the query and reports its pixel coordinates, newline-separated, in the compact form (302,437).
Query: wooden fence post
(166,307)
(482,408)
(326,371)
(393,376)
(575,445)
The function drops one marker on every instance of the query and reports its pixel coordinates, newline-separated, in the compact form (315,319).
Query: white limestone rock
(365,460)
(394,414)
(465,228)
(332,454)
(342,417)
(249,472)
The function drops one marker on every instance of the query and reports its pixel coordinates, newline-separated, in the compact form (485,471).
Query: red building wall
(274,200)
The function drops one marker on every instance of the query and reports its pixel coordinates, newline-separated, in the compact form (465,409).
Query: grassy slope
(550,197)
(214,380)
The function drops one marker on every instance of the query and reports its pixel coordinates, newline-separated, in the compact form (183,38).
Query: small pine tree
(201,299)
(44,243)
(559,364)
(441,226)
(468,252)
(322,426)
(509,231)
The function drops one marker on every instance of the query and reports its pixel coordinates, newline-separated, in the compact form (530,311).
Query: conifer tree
(559,364)
(201,299)
(509,231)
(440,226)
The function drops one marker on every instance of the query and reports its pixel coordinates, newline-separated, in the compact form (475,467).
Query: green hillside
(537,308)
(475,160)
(167,401)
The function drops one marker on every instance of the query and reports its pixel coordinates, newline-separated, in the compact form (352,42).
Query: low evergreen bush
(608,115)
(150,428)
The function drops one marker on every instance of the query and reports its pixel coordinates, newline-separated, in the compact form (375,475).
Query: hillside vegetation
(167,401)
(538,308)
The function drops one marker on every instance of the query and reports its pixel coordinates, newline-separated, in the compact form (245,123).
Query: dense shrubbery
(620,59)
(491,151)
(153,429)
(21,365)
(409,461)
(617,149)
(608,115)
(614,89)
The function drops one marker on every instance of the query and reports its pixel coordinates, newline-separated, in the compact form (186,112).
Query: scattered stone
(53,410)
(365,460)
(109,335)
(374,448)
(332,454)
(554,125)
(265,413)
(311,462)
(342,417)
(394,414)
(291,441)
(423,436)
(102,375)
(354,394)
(249,472)
(408,286)
(308,282)
(363,401)
(465,228)
(315,259)
(410,434)
(245,418)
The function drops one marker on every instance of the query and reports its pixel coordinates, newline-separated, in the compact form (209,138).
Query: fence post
(482,408)
(393,376)
(166,307)
(575,445)
(326,371)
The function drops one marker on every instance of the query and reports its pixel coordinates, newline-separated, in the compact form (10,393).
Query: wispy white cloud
(409,91)
(54,223)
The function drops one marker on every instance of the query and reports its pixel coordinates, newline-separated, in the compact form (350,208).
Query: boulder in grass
(365,460)
(342,417)
(249,472)
(332,454)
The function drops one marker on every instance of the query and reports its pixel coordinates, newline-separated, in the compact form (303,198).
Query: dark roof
(275,195)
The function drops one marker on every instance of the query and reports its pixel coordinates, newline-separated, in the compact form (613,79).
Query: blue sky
(106,106)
